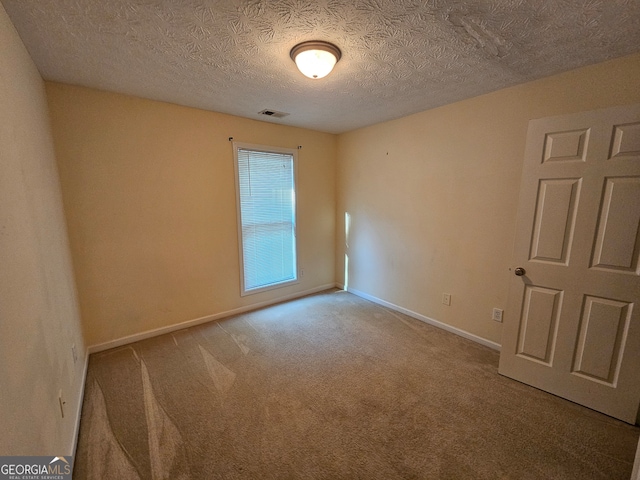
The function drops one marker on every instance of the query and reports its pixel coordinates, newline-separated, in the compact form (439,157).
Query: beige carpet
(331,387)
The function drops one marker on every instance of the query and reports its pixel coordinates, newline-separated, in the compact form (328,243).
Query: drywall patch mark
(480,35)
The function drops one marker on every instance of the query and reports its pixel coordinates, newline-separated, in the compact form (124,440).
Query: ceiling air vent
(273,113)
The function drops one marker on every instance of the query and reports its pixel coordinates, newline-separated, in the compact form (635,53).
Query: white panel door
(572,324)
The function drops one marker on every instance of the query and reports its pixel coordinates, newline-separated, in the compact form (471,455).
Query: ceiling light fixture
(315,59)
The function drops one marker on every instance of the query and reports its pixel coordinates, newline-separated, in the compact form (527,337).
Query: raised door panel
(626,141)
(539,323)
(604,325)
(617,245)
(555,220)
(568,146)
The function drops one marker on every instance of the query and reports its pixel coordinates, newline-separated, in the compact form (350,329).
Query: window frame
(266,149)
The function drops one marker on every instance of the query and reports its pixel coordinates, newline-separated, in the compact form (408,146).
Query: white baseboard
(198,321)
(425,319)
(76,428)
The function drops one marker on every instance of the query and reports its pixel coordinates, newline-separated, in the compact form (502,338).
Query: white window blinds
(266,191)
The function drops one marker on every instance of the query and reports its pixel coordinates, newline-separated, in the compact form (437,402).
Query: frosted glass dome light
(315,59)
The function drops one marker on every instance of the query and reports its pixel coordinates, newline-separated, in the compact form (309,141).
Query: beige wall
(433,196)
(149,191)
(39,319)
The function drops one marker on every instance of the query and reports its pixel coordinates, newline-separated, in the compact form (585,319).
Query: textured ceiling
(399,56)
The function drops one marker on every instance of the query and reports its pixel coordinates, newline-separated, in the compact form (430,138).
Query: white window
(266,197)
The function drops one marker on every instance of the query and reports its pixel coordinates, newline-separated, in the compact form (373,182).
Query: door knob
(519,271)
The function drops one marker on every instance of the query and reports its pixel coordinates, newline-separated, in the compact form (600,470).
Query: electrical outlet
(74,352)
(497,315)
(62,403)
(301,272)
(446,299)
